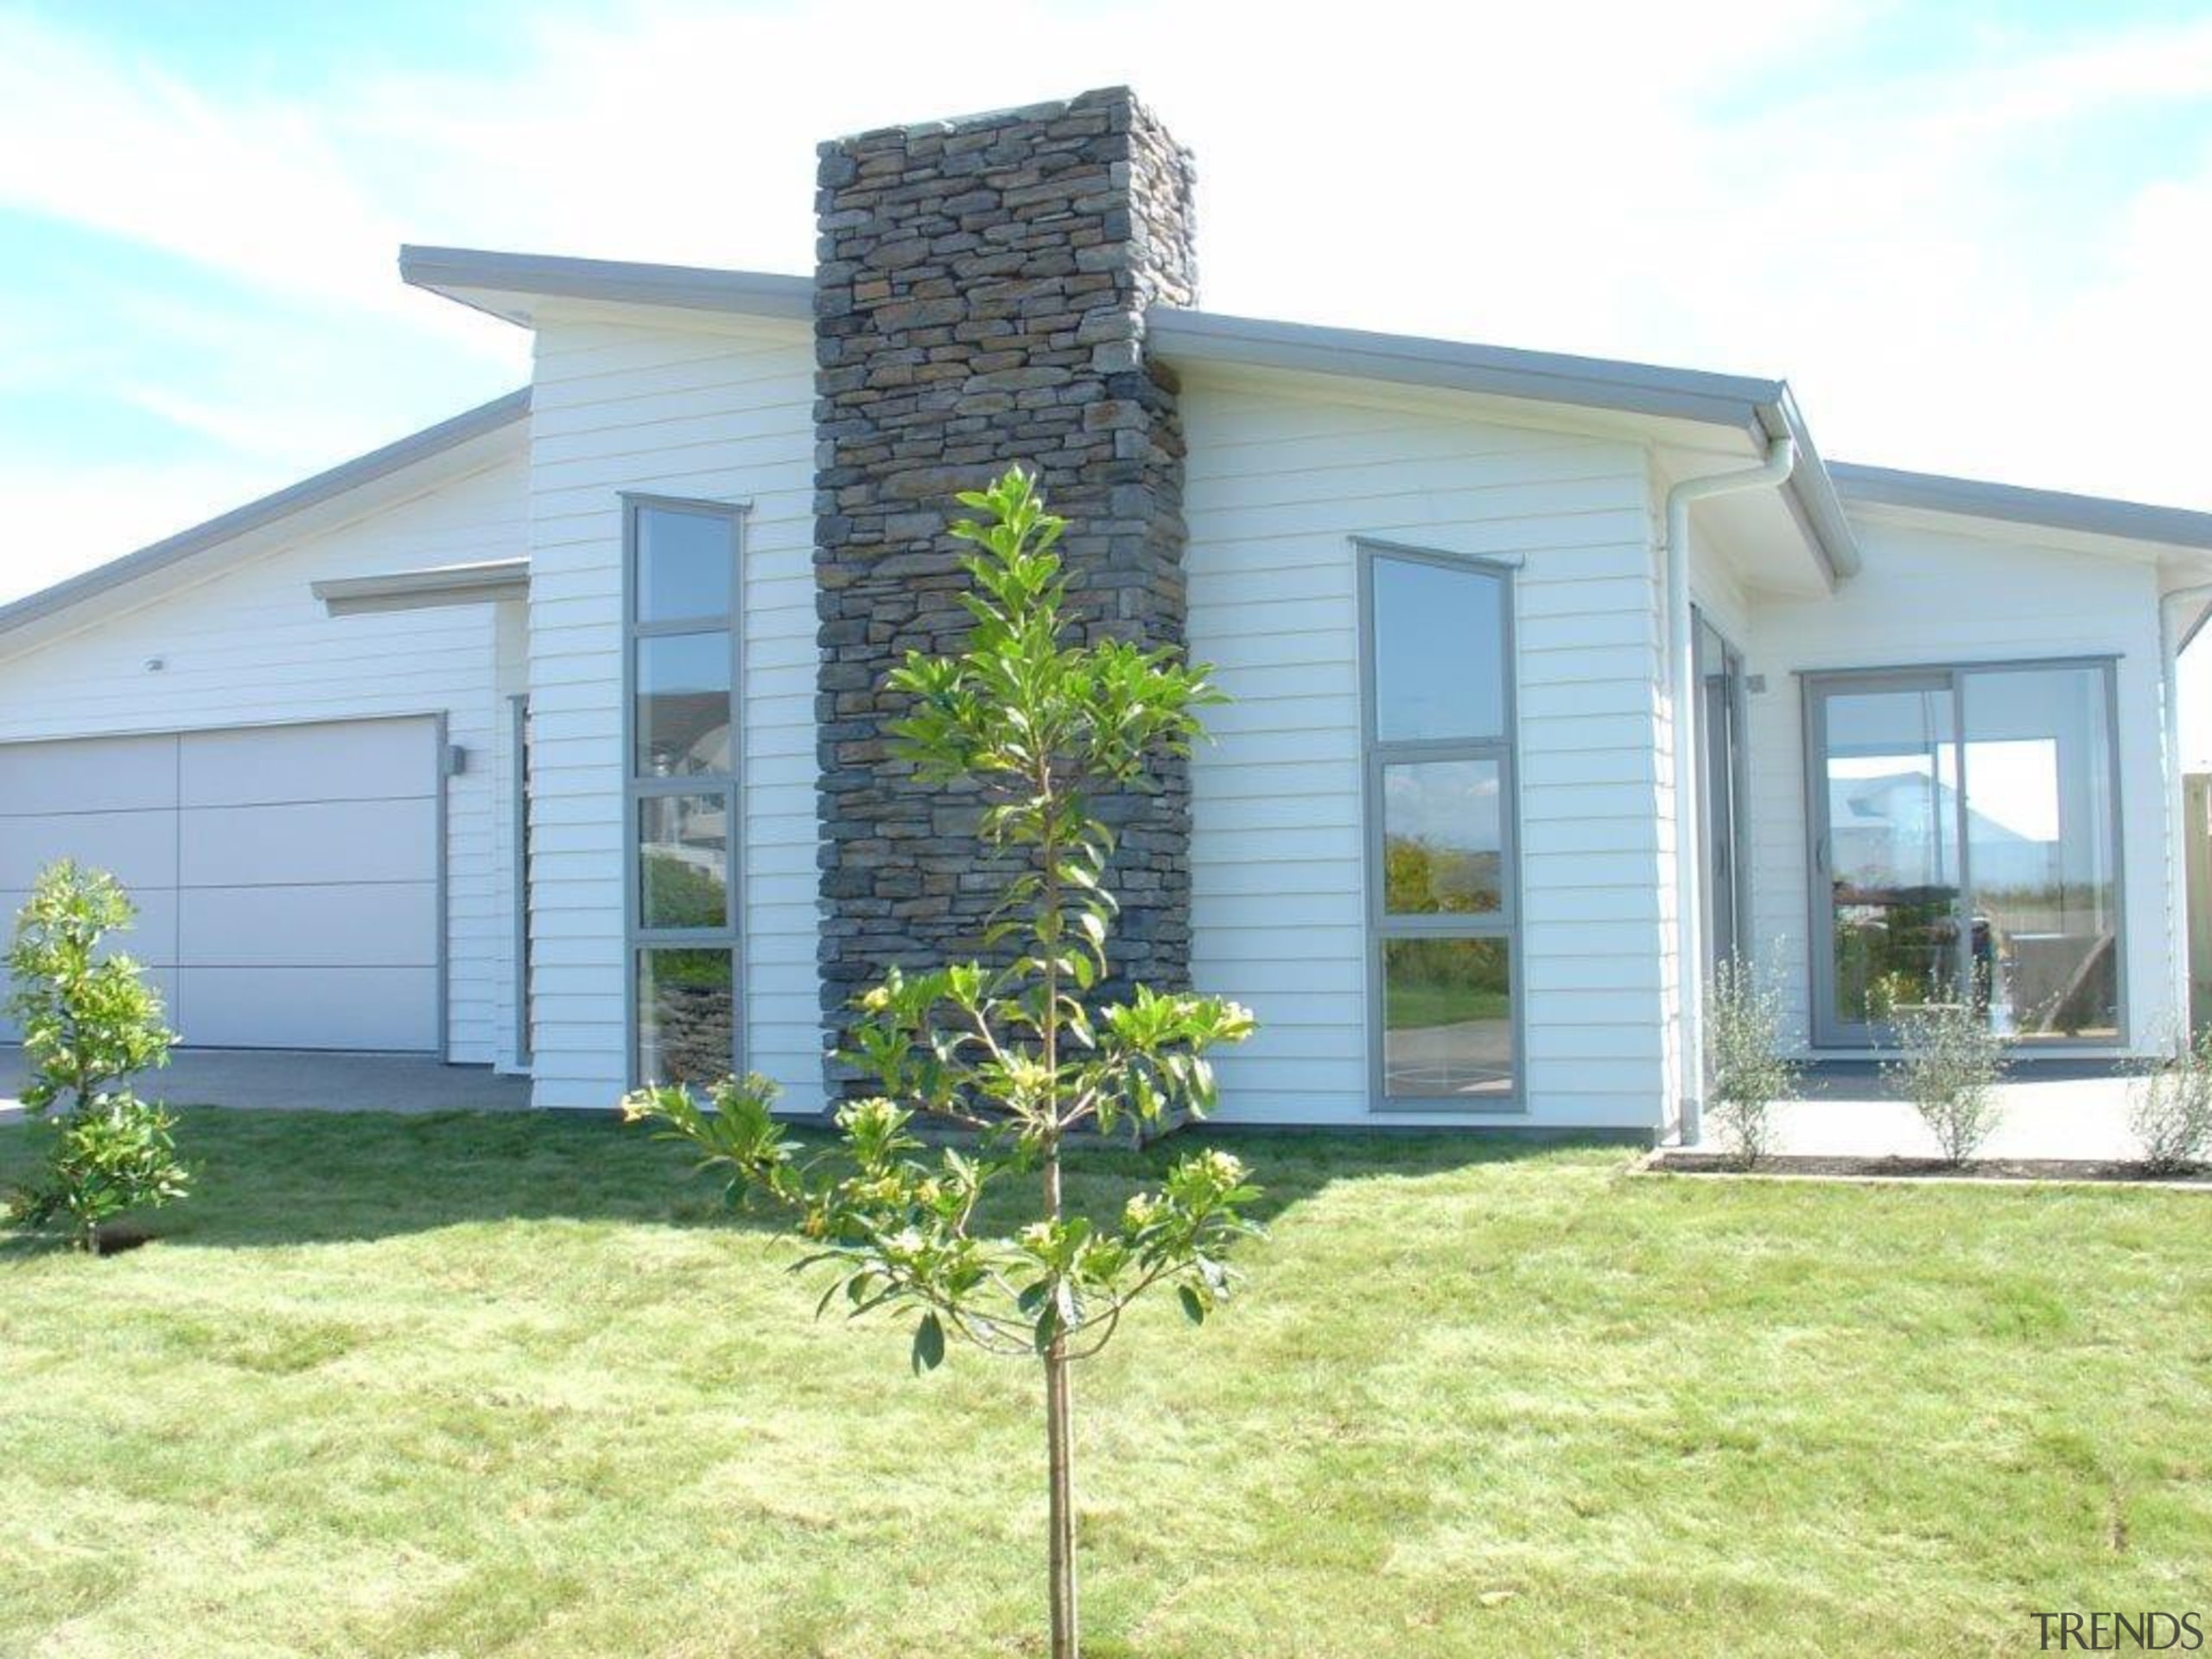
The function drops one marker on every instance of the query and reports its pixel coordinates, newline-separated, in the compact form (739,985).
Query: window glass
(2041,852)
(1448,1018)
(1442,845)
(683,704)
(1439,653)
(686,565)
(683,861)
(686,1014)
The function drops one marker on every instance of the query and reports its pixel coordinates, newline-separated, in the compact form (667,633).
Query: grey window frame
(637,938)
(1826,1036)
(1375,754)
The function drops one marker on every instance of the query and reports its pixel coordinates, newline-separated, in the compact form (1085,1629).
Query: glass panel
(1892,778)
(1442,850)
(1440,651)
(686,563)
(686,1009)
(2041,851)
(683,704)
(683,861)
(1447,1019)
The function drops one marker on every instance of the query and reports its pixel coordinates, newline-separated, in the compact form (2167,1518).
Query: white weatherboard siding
(249,645)
(1937,597)
(1279,482)
(714,408)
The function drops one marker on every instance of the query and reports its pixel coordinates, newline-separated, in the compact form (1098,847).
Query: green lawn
(478,1387)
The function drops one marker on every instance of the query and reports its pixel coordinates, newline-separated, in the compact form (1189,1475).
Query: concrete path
(2056,1110)
(308,1082)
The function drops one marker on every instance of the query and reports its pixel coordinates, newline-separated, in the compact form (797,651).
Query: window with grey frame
(681,761)
(1443,905)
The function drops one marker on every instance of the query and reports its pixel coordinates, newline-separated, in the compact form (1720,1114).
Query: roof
(507,285)
(1762,410)
(342,479)
(1969,498)
(503,284)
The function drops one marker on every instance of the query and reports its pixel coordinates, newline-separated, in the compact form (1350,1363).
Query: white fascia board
(508,285)
(376,466)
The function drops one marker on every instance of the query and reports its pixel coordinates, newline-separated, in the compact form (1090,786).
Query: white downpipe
(2177,897)
(1781,461)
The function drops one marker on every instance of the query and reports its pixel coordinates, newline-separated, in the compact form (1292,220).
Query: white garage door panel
(139,848)
(287,877)
(391,925)
(310,842)
(309,1008)
(88,775)
(366,761)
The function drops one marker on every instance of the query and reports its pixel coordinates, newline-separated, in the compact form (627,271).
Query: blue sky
(1975,237)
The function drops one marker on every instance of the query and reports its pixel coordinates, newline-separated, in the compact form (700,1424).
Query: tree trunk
(1059,1439)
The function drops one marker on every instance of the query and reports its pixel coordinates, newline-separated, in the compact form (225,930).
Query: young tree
(1020,1052)
(1750,1069)
(90,1024)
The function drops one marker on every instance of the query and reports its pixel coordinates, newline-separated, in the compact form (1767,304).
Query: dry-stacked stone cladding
(979,299)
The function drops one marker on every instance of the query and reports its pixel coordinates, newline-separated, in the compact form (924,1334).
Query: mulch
(1809,1166)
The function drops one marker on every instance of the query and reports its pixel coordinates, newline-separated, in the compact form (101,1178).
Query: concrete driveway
(309,1081)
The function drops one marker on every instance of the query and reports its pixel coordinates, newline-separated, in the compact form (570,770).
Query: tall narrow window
(1441,899)
(681,803)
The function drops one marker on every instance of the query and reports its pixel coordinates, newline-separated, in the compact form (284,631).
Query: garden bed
(1817,1167)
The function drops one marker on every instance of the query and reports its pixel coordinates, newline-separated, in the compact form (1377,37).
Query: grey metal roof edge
(478,582)
(339,481)
(1504,371)
(1968,497)
(693,288)
(1762,410)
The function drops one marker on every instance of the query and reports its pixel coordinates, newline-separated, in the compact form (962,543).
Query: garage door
(286,876)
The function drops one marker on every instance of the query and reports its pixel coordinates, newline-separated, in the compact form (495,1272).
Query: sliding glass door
(1966,846)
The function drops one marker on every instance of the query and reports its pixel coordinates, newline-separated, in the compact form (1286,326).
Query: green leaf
(1194,1306)
(928,1345)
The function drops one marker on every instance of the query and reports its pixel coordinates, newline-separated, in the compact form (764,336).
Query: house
(551,738)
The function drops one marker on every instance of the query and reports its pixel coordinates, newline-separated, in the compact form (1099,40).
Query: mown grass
(509,1386)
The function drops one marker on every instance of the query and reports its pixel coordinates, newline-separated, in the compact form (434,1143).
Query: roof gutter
(1689,896)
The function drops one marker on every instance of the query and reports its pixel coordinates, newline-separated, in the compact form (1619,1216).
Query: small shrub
(90,1025)
(2170,1106)
(1744,1044)
(1949,1065)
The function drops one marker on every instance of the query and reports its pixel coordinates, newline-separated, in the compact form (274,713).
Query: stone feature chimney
(980,299)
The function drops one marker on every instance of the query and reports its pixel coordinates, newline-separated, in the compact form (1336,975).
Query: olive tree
(1017,1053)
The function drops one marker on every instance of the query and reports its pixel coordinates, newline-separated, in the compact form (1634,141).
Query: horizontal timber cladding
(980,301)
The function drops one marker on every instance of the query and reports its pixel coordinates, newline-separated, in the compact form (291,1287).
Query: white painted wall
(1933,595)
(1282,473)
(719,409)
(249,645)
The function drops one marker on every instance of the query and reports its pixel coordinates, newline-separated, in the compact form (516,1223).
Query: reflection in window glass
(683,704)
(1439,653)
(2041,851)
(683,861)
(1441,842)
(686,1014)
(1448,1018)
(686,564)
